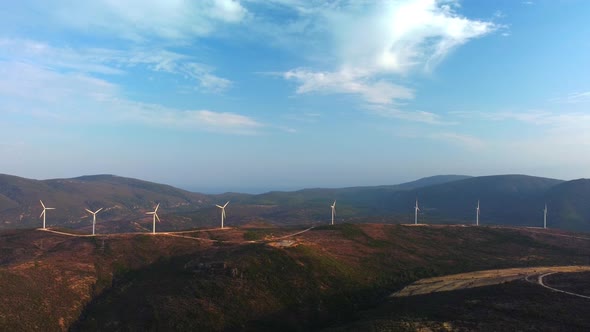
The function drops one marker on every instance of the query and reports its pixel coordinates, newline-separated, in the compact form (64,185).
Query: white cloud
(76,98)
(374,43)
(157,115)
(552,128)
(141,20)
(112,62)
(372,90)
(414,116)
(574,98)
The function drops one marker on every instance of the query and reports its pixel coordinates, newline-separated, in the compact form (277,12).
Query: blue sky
(254,95)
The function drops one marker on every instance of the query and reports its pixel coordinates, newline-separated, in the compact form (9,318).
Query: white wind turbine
(222,212)
(477,214)
(333,206)
(545,216)
(155,214)
(93,218)
(43,214)
(416,209)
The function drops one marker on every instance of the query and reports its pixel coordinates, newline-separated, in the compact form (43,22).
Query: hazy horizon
(264,188)
(284,95)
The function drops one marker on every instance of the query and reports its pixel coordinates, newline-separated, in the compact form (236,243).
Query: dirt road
(483,278)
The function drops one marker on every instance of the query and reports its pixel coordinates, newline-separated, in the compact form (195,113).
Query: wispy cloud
(468,141)
(112,61)
(76,97)
(414,116)
(142,20)
(157,115)
(574,98)
(374,91)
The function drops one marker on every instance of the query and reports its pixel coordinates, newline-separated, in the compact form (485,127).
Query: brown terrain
(257,277)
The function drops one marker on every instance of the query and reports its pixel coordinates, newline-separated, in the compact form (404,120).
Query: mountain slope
(567,205)
(123,199)
(504,199)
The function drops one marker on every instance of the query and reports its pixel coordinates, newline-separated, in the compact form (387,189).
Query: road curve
(481,278)
(542,283)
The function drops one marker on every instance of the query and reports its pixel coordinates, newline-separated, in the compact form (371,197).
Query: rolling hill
(504,199)
(124,200)
(218,280)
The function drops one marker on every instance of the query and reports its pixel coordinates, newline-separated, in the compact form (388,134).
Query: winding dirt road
(486,278)
(540,282)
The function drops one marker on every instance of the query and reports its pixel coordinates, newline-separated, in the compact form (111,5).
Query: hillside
(319,278)
(124,200)
(504,199)
(516,200)
(568,206)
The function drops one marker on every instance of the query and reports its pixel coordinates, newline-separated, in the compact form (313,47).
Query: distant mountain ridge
(123,199)
(504,199)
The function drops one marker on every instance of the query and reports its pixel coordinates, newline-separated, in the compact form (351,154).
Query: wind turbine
(222,212)
(43,214)
(333,206)
(477,214)
(93,218)
(416,209)
(155,214)
(545,216)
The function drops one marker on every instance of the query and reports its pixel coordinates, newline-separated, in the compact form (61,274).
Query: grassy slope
(330,276)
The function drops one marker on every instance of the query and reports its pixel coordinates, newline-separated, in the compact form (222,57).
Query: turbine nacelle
(95,212)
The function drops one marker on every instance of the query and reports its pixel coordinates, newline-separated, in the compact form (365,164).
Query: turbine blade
(157,206)
(42,213)
(97,211)
(49,208)
(89,211)
(219,206)
(226,204)
(155,214)
(150,212)
(43,205)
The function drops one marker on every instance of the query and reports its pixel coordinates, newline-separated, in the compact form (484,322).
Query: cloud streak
(76,98)
(143,20)
(113,62)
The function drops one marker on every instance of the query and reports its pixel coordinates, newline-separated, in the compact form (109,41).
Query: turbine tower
(545,217)
(477,214)
(43,214)
(93,218)
(333,206)
(416,209)
(222,212)
(155,214)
